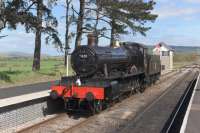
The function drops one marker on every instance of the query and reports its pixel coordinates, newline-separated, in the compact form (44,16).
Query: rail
(175,122)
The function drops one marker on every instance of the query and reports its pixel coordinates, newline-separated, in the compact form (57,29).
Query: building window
(163,67)
(165,53)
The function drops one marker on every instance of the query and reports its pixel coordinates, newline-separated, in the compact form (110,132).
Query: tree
(15,12)
(79,30)
(37,51)
(2,36)
(23,12)
(124,14)
(67,36)
(87,24)
(96,31)
(70,18)
(48,28)
(2,25)
(119,15)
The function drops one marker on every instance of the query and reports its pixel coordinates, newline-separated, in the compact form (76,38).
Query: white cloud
(169,1)
(162,1)
(173,11)
(20,41)
(177,8)
(192,1)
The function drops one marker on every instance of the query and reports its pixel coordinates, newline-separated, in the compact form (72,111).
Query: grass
(182,59)
(17,71)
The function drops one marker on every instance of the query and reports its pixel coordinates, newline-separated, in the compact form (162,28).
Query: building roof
(162,44)
(135,43)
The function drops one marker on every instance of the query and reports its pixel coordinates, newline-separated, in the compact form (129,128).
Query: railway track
(111,121)
(65,123)
(97,123)
(168,109)
(56,124)
(175,122)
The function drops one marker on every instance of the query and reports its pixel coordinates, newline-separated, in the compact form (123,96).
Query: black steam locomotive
(106,73)
(107,62)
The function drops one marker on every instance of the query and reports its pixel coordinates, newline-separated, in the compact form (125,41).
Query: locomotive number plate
(83,56)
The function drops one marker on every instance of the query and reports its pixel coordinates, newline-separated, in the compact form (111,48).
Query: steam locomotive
(104,74)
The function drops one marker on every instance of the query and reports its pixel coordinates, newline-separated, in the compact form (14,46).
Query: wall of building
(171,60)
(167,60)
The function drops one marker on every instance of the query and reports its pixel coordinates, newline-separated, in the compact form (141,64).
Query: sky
(178,23)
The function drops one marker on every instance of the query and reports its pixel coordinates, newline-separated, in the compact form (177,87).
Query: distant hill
(18,54)
(183,49)
(186,49)
(177,49)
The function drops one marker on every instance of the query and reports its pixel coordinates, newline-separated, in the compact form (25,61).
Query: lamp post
(67,60)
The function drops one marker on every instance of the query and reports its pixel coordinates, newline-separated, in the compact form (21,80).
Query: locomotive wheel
(96,106)
(132,91)
(54,95)
(142,89)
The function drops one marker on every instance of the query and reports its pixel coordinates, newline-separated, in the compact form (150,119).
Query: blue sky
(178,24)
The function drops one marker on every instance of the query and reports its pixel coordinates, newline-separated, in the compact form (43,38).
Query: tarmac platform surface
(22,90)
(191,122)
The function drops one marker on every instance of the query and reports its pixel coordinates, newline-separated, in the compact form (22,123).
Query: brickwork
(165,60)
(20,116)
(14,116)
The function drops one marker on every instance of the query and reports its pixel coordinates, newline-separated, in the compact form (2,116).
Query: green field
(18,71)
(182,59)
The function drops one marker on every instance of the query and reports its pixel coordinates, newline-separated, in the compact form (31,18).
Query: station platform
(19,94)
(191,122)
(23,90)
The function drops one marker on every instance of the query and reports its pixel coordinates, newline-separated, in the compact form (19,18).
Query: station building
(166,54)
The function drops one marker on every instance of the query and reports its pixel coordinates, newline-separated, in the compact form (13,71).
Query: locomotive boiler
(108,62)
(104,74)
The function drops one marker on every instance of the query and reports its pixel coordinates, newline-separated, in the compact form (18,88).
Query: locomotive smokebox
(92,40)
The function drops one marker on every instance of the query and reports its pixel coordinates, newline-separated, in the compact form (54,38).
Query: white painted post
(67,66)
(171,59)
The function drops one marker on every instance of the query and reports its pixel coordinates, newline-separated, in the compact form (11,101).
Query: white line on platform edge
(22,98)
(185,120)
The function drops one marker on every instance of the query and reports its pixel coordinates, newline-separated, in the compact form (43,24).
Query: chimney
(91,40)
(115,44)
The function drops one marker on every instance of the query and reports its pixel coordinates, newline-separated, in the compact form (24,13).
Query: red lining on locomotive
(58,89)
(79,91)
